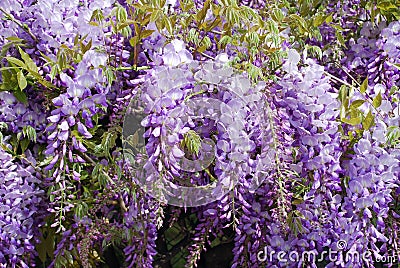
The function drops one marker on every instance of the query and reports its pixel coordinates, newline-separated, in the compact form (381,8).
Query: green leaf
(29,132)
(318,20)
(109,73)
(86,47)
(329,19)
(174,235)
(193,36)
(81,209)
(155,15)
(126,32)
(15,39)
(203,12)
(224,41)
(121,14)
(206,42)
(46,161)
(300,22)
(357,103)
(297,201)
(393,135)
(364,85)
(277,15)
(233,16)
(108,142)
(186,5)
(215,23)
(24,145)
(3,126)
(215,242)
(128,22)
(21,96)
(340,38)
(368,121)
(41,250)
(352,121)
(393,90)
(397,66)
(134,41)
(21,80)
(377,101)
(31,65)
(201,48)
(254,72)
(168,25)
(146,33)
(192,142)
(343,93)
(46,246)
(76,39)
(387,5)
(62,58)
(97,15)
(16,62)
(7,46)
(54,71)
(41,80)
(315,51)
(294,222)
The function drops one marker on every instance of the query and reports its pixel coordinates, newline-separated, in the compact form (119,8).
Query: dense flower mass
(21,199)
(216,133)
(233,125)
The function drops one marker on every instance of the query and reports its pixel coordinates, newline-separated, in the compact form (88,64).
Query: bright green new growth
(191,142)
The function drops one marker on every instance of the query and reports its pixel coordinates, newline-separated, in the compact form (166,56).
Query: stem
(216,32)
(135,68)
(207,56)
(213,179)
(195,94)
(204,36)
(282,199)
(24,27)
(365,97)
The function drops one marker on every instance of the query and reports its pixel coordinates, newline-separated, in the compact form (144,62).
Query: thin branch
(24,27)
(357,89)
(217,32)
(135,68)
(207,56)
(120,199)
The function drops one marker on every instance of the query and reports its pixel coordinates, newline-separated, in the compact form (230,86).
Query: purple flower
(83,130)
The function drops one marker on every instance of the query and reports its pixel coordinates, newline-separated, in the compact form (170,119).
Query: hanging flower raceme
(191,111)
(366,206)
(302,223)
(20,200)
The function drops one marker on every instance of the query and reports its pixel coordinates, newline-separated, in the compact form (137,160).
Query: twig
(194,94)
(135,68)
(217,32)
(207,56)
(282,198)
(24,27)
(365,97)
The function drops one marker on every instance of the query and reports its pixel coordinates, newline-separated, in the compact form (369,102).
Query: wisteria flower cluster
(21,202)
(192,111)
(193,133)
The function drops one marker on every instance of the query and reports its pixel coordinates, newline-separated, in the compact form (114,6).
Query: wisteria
(189,133)
(21,205)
